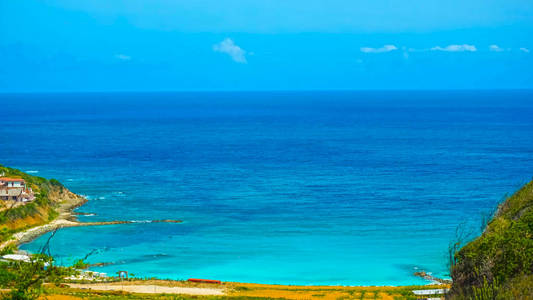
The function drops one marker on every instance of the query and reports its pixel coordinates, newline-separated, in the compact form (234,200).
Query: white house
(15,189)
(15,194)
(12,182)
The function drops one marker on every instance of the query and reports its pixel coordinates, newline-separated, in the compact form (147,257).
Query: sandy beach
(153,289)
(150,289)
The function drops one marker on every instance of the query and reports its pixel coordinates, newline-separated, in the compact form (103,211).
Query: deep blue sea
(351,188)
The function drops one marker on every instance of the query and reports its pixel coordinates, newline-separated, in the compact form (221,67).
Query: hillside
(499,263)
(51,200)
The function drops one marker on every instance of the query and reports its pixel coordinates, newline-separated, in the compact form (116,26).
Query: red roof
(11,179)
(204,280)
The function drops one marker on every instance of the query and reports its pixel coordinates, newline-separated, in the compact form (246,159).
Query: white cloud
(386,48)
(228,47)
(526,50)
(456,48)
(123,57)
(495,48)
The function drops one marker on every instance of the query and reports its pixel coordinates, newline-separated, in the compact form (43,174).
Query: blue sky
(162,45)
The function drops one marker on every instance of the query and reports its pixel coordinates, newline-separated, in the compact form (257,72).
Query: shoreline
(157,288)
(66,218)
(35,232)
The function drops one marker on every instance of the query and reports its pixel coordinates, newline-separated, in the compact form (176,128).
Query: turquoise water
(352,188)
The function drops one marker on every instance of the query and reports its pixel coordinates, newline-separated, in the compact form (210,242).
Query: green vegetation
(80,264)
(19,212)
(499,263)
(42,210)
(127,296)
(496,265)
(9,249)
(253,291)
(32,181)
(25,279)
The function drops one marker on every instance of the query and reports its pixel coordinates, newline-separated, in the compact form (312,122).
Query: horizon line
(262,91)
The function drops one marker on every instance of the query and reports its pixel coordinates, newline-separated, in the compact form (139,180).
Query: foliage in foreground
(25,279)
(499,264)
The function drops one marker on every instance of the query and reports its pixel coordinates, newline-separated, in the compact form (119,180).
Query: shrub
(491,263)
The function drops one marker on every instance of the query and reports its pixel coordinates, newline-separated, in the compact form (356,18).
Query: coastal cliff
(499,263)
(21,222)
(52,201)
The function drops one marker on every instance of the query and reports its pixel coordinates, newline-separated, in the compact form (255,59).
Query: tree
(26,277)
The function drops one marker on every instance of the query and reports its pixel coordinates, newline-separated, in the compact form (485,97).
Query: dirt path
(149,289)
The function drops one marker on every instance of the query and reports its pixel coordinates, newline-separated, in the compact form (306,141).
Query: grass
(252,291)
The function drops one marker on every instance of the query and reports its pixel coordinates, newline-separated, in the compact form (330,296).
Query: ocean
(322,188)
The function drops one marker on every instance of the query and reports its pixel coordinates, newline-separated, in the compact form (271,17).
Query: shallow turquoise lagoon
(352,188)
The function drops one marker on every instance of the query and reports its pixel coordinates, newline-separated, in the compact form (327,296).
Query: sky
(211,45)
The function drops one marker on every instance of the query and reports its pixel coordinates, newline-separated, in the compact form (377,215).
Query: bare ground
(149,289)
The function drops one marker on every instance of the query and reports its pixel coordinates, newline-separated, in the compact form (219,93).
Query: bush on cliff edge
(499,263)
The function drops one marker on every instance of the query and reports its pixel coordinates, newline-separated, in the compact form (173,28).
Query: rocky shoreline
(431,278)
(33,233)
(66,218)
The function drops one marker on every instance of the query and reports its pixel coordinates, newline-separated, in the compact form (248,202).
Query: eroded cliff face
(65,200)
(51,200)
